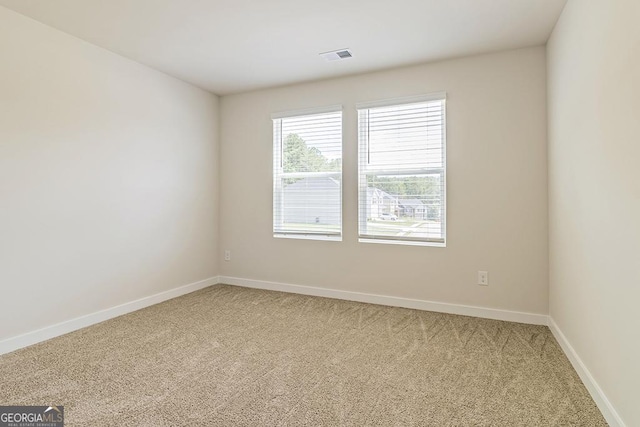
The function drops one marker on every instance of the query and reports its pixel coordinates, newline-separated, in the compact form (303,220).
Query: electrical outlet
(227,255)
(483,278)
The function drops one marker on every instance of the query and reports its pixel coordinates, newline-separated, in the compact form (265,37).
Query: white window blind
(307,181)
(402,172)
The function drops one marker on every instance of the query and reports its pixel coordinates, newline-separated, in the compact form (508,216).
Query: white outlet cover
(483,278)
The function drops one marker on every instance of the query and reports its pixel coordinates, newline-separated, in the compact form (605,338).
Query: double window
(401,172)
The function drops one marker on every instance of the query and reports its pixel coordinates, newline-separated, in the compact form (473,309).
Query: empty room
(305,213)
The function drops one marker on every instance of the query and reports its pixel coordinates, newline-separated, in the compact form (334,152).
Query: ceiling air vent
(334,55)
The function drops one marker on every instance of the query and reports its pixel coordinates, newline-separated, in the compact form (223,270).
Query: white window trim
(307,112)
(434,96)
(277,161)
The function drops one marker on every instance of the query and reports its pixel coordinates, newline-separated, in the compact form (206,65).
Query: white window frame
(279,174)
(363,171)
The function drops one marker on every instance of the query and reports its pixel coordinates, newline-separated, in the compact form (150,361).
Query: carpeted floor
(230,356)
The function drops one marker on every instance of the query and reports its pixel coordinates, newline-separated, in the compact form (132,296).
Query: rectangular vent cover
(335,55)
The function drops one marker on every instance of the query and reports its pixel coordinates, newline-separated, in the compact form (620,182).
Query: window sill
(309,237)
(403,242)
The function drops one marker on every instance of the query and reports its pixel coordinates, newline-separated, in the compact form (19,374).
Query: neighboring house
(316,200)
(379,202)
(413,208)
(313,200)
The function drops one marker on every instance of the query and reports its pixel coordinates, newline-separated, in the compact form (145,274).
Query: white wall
(497,187)
(594,192)
(108,178)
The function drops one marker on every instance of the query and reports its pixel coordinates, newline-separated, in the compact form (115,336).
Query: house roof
(314,183)
(411,203)
(371,191)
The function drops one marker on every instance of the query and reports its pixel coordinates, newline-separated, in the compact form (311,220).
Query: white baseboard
(608,411)
(441,307)
(30,338)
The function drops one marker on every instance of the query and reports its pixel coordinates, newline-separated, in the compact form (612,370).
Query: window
(402,171)
(307,175)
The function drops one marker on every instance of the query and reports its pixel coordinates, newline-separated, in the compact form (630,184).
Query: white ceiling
(228,46)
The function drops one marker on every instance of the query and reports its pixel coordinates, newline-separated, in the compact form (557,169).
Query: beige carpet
(230,356)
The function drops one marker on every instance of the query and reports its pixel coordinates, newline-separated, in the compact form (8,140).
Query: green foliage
(411,187)
(298,157)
